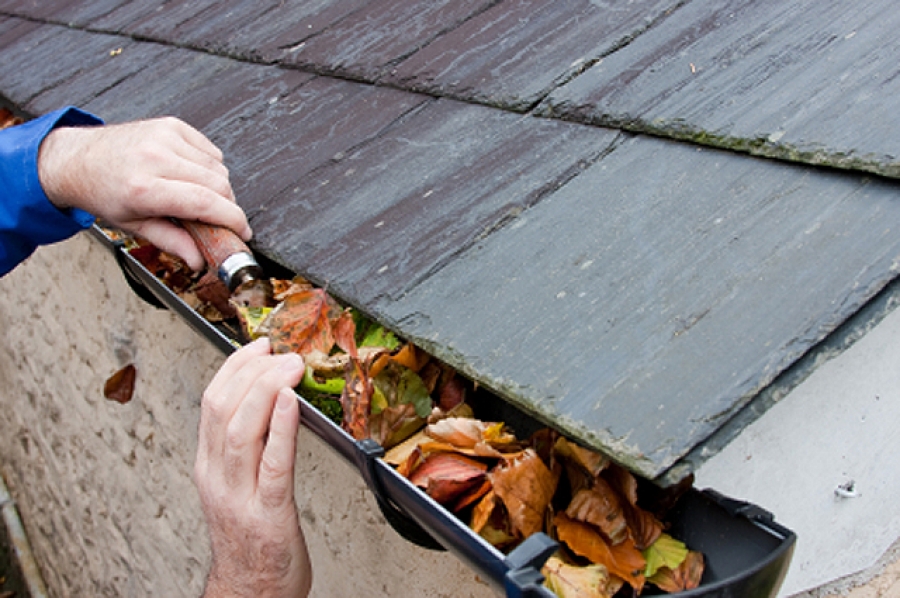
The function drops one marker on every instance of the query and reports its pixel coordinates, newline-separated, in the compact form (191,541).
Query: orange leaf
(525,486)
(585,540)
(345,334)
(410,357)
(491,521)
(120,386)
(356,399)
(470,496)
(282,288)
(302,323)
(482,512)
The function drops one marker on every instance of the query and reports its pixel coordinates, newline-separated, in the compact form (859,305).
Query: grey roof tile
(810,81)
(635,291)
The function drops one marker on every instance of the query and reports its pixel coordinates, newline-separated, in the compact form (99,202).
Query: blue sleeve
(27,218)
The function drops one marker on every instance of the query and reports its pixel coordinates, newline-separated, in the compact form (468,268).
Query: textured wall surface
(105,490)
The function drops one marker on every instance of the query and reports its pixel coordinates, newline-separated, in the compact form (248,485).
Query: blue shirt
(27,218)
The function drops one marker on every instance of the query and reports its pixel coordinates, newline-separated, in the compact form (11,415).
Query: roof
(627,219)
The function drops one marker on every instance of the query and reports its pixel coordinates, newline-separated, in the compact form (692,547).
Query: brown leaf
(210,289)
(525,486)
(623,560)
(686,577)
(600,506)
(303,323)
(446,476)
(356,399)
(644,527)
(591,461)
(120,386)
(394,423)
(170,269)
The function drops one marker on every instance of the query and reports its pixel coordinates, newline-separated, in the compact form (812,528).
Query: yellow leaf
(665,552)
(572,581)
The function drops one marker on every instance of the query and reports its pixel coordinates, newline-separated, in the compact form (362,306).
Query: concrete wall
(105,491)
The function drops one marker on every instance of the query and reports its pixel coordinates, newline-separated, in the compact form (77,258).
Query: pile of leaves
(8,119)
(377,386)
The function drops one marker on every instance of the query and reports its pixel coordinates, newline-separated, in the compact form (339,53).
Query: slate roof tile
(637,292)
(807,81)
(514,53)
(419,193)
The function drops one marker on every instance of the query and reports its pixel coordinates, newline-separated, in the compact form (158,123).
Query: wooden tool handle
(216,243)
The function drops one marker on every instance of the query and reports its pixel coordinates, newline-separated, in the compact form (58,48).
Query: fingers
(173,239)
(276,471)
(237,412)
(246,431)
(215,412)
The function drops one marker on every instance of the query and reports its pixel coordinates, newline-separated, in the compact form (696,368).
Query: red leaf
(120,386)
(345,334)
(446,476)
(302,323)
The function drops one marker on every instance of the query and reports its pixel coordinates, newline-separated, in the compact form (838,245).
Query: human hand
(245,476)
(138,175)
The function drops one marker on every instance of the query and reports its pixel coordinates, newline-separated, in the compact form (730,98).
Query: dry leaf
(8,119)
(686,577)
(483,438)
(446,476)
(282,288)
(491,521)
(471,495)
(120,386)
(525,486)
(585,540)
(591,461)
(302,323)
(644,527)
(600,506)
(572,581)
(356,399)
(345,334)
(210,289)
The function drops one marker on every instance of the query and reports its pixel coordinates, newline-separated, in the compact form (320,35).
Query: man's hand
(245,474)
(138,175)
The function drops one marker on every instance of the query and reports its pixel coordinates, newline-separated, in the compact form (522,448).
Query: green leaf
(331,386)
(401,385)
(665,552)
(372,334)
